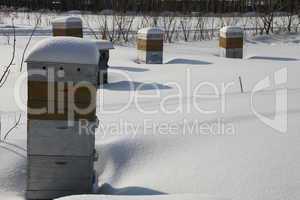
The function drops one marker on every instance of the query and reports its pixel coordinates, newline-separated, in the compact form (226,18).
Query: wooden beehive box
(67,26)
(62,80)
(150,45)
(231,42)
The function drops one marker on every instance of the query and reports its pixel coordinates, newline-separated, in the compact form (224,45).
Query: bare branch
(29,40)
(7,70)
(12,128)
(13,151)
(91,29)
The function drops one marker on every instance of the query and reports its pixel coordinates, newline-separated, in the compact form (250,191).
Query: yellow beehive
(231,42)
(150,45)
(67,26)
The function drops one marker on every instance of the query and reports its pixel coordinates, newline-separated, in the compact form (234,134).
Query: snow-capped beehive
(231,42)
(104,46)
(150,45)
(62,80)
(67,26)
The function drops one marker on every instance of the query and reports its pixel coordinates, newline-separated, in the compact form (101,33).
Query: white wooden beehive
(60,153)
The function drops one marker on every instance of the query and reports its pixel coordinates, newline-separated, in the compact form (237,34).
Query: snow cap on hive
(151,33)
(66,50)
(231,32)
(67,22)
(104,44)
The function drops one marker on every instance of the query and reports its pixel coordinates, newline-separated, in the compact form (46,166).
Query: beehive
(62,79)
(104,47)
(67,26)
(231,42)
(150,45)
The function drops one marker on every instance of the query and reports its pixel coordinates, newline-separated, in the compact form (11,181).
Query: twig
(12,128)
(5,79)
(28,42)
(91,29)
(13,151)
(14,145)
(241,84)
(8,143)
(7,70)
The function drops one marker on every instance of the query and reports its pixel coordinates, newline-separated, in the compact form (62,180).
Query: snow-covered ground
(162,142)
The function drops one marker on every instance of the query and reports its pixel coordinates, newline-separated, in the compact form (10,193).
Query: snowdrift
(248,161)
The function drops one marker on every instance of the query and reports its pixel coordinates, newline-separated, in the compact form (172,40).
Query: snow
(150,30)
(67,22)
(104,44)
(68,19)
(231,31)
(138,156)
(156,197)
(151,33)
(66,50)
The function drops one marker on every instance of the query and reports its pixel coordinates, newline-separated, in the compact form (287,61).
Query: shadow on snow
(108,189)
(133,86)
(188,61)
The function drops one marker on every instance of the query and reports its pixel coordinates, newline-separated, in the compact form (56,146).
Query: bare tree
(124,23)
(146,21)
(7,70)
(28,42)
(267,12)
(292,9)
(169,23)
(200,26)
(186,26)
(87,22)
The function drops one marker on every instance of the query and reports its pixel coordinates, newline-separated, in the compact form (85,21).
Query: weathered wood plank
(51,110)
(46,137)
(54,91)
(59,168)
(42,71)
(60,184)
(73,32)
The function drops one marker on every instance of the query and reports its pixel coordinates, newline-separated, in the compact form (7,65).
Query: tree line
(156,6)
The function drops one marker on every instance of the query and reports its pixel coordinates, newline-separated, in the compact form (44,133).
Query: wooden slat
(60,106)
(150,45)
(60,167)
(74,32)
(59,184)
(231,53)
(38,90)
(58,138)
(66,113)
(154,57)
(75,73)
(231,43)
